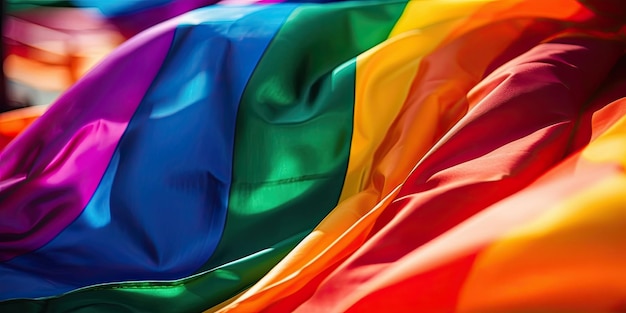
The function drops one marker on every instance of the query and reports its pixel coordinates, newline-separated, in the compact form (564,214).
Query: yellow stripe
(610,146)
(420,14)
(384,76)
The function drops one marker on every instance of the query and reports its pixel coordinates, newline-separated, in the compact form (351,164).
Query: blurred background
(49,44)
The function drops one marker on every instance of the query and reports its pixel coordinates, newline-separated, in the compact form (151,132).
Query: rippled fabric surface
(357,156)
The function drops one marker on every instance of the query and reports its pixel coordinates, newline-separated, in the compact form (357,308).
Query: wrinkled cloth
(357,156)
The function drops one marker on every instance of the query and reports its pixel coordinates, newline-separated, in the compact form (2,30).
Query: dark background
(4,106)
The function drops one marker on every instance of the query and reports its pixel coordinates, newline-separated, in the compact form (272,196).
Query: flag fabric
(357,156)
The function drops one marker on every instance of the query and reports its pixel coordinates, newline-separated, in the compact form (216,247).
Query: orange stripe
(570,258)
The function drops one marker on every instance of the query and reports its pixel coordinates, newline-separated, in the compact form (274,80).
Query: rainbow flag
(357,156)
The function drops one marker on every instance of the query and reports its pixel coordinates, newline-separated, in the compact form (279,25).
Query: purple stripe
(50,172)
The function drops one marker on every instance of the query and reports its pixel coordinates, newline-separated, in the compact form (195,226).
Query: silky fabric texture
(399,156)
(26,164)
(420,212)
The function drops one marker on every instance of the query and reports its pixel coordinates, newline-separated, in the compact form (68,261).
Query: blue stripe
(160,209)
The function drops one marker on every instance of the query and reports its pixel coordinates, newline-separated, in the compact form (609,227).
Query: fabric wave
(432,156)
